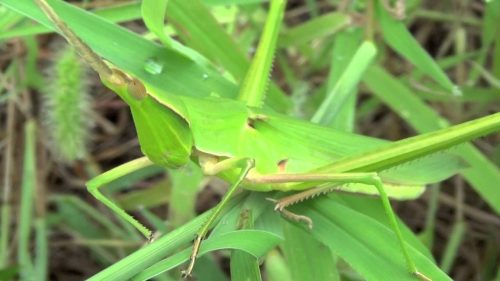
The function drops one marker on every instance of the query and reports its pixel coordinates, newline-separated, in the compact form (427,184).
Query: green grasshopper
(255,148)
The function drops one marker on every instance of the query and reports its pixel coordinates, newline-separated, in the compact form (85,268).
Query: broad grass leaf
(302,252)
(367,245)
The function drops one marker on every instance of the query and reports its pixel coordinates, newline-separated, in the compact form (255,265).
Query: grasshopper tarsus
(151,238)
(186,273)
(295,217)
(281,208)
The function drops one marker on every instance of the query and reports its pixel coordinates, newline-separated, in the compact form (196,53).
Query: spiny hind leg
(364,178)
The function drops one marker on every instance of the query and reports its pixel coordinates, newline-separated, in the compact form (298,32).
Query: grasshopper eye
(136,89)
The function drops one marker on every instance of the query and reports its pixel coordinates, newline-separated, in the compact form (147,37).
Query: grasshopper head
(164,136)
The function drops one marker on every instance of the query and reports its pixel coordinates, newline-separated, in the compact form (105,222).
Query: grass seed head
(66,106)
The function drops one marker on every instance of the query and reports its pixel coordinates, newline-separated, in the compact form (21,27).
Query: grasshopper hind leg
(365,178)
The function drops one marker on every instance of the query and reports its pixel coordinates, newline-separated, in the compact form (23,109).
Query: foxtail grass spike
(67,107)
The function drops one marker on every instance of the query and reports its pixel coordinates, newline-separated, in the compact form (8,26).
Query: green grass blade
(158,250)
(254,86)
(243,265)
(343,50)
(453,245)
(323,26)
(313,8)
(33,76)
(116,14)
(254,242)
(192,17)
(6,208)
(489,34)
(229,2)
(156,222)
(497,278)
(199,30)
(5,234)
(178,74)
(8,273)
(481,174)
(28,189)
(153,15)
(8,19)
(120,12)
(156,194)
(372,207)
(299,249)
(346,84)
(255,202)
(427,234)
(185,186)
(208,269)
(131,179)
(277,268)
(491,80)
(41,263)
(401,40)
(86,211)
(77,223)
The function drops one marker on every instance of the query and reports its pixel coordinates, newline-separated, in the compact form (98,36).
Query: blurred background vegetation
(60,127)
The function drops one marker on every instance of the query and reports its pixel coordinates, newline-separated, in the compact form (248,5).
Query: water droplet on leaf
(153,66)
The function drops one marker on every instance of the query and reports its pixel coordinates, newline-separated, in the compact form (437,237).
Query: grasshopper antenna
(92,58)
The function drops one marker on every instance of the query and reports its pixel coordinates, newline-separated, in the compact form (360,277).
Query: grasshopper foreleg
(94,184)
(211,167)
